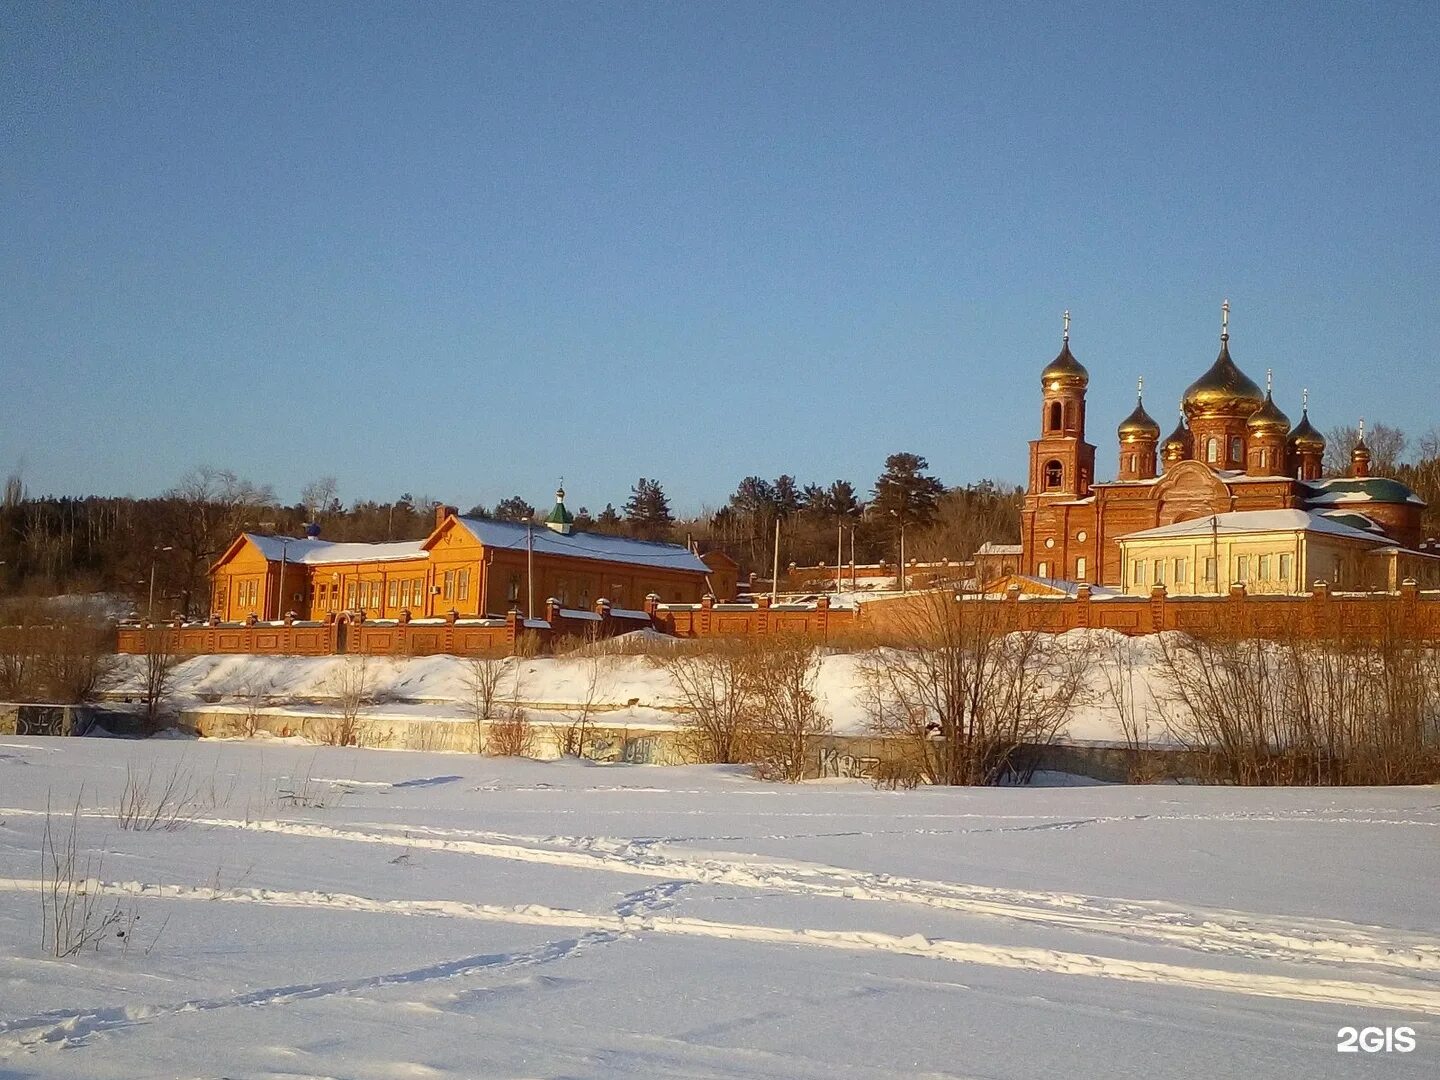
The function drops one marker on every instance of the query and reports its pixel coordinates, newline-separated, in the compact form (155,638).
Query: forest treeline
(164,545)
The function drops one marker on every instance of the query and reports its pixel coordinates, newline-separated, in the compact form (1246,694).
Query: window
(449,592)
(394,594)
(1080,568)
(462,586)
(1285,567)
(405,593)
(351,595)
(1179,571)
(1139,571)
(1054,416)
(562,592)
(1043,570)
(1210,570)
(1212,451)
(1263,573)
(1054,475)
(512,592)
(1159,571)
(1264,459)
(1237,450)
(1242,568)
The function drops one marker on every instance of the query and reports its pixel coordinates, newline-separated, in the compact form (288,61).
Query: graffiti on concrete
(839,765)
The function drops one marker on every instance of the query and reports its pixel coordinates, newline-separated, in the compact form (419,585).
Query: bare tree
(785,717)
(1386,443)
(574,735)
(318,496)
(482,679)
(206,510)
(1125,691)
(351,688)
(966,696)
(159,660)
(716,691)
(511,733)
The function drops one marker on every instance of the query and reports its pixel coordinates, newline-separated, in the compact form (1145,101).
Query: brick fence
(709,619)
(1320,613)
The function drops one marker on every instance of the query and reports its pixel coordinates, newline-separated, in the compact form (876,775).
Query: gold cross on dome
(1067,325)
(1225,319)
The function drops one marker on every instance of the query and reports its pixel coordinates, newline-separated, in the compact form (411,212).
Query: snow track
(1200,929)
(634,917)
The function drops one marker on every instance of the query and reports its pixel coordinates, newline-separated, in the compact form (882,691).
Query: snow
(1248,521)
(583,545)
(315,552)
(637,687)
(428,915)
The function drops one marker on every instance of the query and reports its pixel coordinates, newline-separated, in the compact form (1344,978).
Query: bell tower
(1062,469)
(1062,463)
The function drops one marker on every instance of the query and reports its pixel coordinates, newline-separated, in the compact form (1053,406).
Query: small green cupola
(560,519)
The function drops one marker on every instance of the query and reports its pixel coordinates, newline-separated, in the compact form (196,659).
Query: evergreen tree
(647,512)
(608,521)
(904,493)
(786,496)
(514,509)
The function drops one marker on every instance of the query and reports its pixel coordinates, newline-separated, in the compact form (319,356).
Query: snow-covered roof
(992,548)
(1256,521)
(314,552)
(584,545)
(1360,489)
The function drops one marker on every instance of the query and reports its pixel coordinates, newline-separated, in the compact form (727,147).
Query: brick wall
(709,619)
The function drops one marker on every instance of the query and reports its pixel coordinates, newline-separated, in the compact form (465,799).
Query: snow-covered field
(370,914)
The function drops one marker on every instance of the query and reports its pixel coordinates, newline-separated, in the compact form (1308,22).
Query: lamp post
(154,557)
(903,526)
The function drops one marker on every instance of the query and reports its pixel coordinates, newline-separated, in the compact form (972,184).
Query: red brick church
(1233,457)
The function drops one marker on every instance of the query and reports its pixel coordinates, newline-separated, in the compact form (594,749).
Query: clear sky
(463,249)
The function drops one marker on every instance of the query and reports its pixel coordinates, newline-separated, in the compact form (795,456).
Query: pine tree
(647,512)
(514,509)
(904,494)
(608,521)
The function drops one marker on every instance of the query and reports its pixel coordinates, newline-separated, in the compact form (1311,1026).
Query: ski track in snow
(62,1028)
(67,1029)
(1205,930)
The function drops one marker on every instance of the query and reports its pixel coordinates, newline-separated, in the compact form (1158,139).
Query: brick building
(471,566)
(1234,455)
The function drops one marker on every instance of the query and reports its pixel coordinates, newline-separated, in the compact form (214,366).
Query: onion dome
(1139,425)
(1224,390)
(1065,371)
(1303,435)
(1178,440)
(1268,419)
(560,519)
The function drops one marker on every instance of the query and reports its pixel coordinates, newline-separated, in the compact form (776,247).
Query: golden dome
(1065,371)
(1224,390)
(1177,440)
(1304,437)
(1268,419)
(1138,426)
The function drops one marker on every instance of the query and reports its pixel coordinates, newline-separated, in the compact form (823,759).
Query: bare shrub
(77,658)
(715,689)
(483,675)
(252,698)
(965,696)
(902,773)
(511,734)
(76,914)
(351,688)
(528,644)
(784,716)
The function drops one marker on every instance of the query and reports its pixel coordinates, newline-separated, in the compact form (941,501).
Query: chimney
(442,512)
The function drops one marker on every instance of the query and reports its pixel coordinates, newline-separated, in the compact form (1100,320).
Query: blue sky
(463,249)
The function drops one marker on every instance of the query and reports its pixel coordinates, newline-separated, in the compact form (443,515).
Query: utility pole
(280,585)
(150,607)
(775,573)
(839,553)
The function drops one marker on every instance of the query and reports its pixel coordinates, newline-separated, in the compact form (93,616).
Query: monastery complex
(1234,495)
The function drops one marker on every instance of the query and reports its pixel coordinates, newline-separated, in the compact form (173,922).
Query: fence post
(762,616)
(1157,607)
(1082,605)
(707,612)
(822,607)
(512,629)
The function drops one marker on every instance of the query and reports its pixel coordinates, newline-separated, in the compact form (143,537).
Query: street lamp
(285,542)
(903,526)
(154,556)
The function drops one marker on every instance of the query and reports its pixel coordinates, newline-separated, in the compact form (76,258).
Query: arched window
(1054,475)
(1055,415)
(1212,451)
(1237,450)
